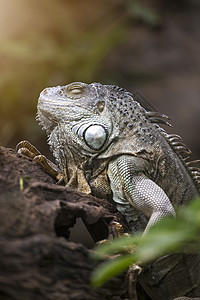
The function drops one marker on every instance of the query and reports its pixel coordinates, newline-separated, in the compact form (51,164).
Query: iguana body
(106,144)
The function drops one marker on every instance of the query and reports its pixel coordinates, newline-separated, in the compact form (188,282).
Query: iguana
(107,144)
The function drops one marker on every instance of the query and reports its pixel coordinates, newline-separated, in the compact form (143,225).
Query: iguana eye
(74,89)
(95,136)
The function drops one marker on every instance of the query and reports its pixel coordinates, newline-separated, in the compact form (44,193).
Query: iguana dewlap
(106,143)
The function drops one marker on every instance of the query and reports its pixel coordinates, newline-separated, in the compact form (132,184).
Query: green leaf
(144,13)
(112,268)
(122,244)
(167,236)
(21,182)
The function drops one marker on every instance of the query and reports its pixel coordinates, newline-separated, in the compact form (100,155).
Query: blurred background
(152,46)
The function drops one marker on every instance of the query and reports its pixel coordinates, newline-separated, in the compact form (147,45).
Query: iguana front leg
(27,149)
(70,174)
(130,186)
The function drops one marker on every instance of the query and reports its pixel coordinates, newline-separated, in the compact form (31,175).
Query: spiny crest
(177,145)
(194,170)
(156,117)
(184,152)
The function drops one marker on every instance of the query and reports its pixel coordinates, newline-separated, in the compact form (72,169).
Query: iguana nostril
(46,91)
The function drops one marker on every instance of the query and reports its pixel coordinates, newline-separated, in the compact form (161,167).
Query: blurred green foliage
(140,11)
(167,236)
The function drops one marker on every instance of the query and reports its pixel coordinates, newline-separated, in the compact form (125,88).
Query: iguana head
(98,119)
(82,108)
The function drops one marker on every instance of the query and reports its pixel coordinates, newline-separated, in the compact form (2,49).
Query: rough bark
(36,259)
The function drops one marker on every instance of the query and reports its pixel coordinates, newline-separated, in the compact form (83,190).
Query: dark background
(151,46)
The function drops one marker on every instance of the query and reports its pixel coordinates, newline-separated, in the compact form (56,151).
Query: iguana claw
(27,149)
(132,275)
